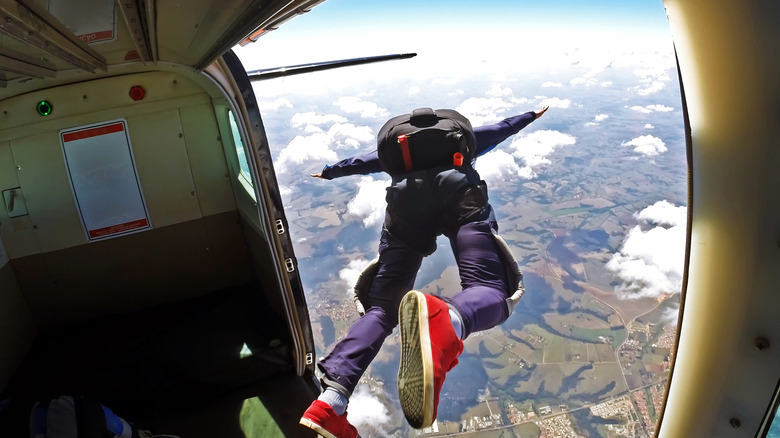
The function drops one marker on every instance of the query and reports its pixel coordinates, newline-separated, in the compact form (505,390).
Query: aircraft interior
(157,275)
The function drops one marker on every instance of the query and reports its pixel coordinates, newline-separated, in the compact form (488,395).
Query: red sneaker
(429,348)
(321,418)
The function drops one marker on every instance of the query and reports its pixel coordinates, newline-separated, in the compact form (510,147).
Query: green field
(605,353)
(528,430)
(565,211)
(599,377)
(554,351)
(502,369)
(592,335)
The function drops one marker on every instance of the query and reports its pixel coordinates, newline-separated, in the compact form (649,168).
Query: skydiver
(420,206)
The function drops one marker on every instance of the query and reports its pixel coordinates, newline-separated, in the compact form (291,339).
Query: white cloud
(606,83)
(366,109)
(498,166)
(656,72)
(647,145)
(647,109)
(319,147)
(534,148)
(649,126)
(652,88)
(552,85)
(670,315)
(498,91)
(663,213)
(285,191)
(595,61)
(653,77)
(349,136)
(554,102)
(483,110)
(351,273)
(281,102)
(306,149)
(660,108)
(414,90)
(650,263)
(368,413)
(597,119)
(311,118)
(369,203)
(641,109)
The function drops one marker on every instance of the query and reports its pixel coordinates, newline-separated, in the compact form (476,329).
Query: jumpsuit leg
(482,302)
(349,359)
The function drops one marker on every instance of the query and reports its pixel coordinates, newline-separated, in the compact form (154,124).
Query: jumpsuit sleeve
(489,136)
(358,165)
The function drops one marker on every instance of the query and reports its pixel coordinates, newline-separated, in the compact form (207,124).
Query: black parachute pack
(425,139)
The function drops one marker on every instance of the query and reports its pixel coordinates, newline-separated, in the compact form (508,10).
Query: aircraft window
(774,428)
(239,145)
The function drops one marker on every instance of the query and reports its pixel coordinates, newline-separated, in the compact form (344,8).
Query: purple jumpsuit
(447,201)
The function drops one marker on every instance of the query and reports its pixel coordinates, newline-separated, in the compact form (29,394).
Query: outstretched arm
(358,165)
(489,136)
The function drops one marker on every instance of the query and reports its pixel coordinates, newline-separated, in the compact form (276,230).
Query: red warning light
(137,92)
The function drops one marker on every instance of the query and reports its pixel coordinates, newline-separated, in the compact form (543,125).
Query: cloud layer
(368,414)
(647,145)
(531,151)
(650,263)
(369,203)
(322,147)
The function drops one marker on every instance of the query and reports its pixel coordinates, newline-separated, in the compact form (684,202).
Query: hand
(316,175)
(541,111)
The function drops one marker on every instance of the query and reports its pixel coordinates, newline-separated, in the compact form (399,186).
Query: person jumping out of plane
(422,203)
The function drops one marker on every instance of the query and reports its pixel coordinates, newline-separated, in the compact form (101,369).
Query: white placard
(104,179)
(92,20)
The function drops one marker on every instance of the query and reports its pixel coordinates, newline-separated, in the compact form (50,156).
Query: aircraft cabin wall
(56,267)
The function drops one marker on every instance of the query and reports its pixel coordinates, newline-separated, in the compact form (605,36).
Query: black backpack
(425,139)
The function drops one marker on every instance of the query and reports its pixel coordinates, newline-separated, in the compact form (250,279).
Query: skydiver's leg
(482,302)
(430,343)
(346,363)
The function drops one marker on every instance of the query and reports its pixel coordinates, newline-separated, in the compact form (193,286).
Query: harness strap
(404,142)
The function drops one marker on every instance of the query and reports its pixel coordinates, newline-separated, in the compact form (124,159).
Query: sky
(456,29)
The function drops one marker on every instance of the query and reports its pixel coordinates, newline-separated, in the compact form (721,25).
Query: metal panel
(17,233)
(164,168)
(52,210)
(209,169)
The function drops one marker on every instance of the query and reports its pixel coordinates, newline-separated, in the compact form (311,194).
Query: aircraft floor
(176,368)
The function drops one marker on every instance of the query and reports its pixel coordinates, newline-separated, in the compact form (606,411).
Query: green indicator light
(44,108)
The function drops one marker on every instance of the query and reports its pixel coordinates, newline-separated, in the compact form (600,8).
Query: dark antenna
(278,72)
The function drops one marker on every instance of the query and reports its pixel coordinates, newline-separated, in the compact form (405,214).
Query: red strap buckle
(457,159)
